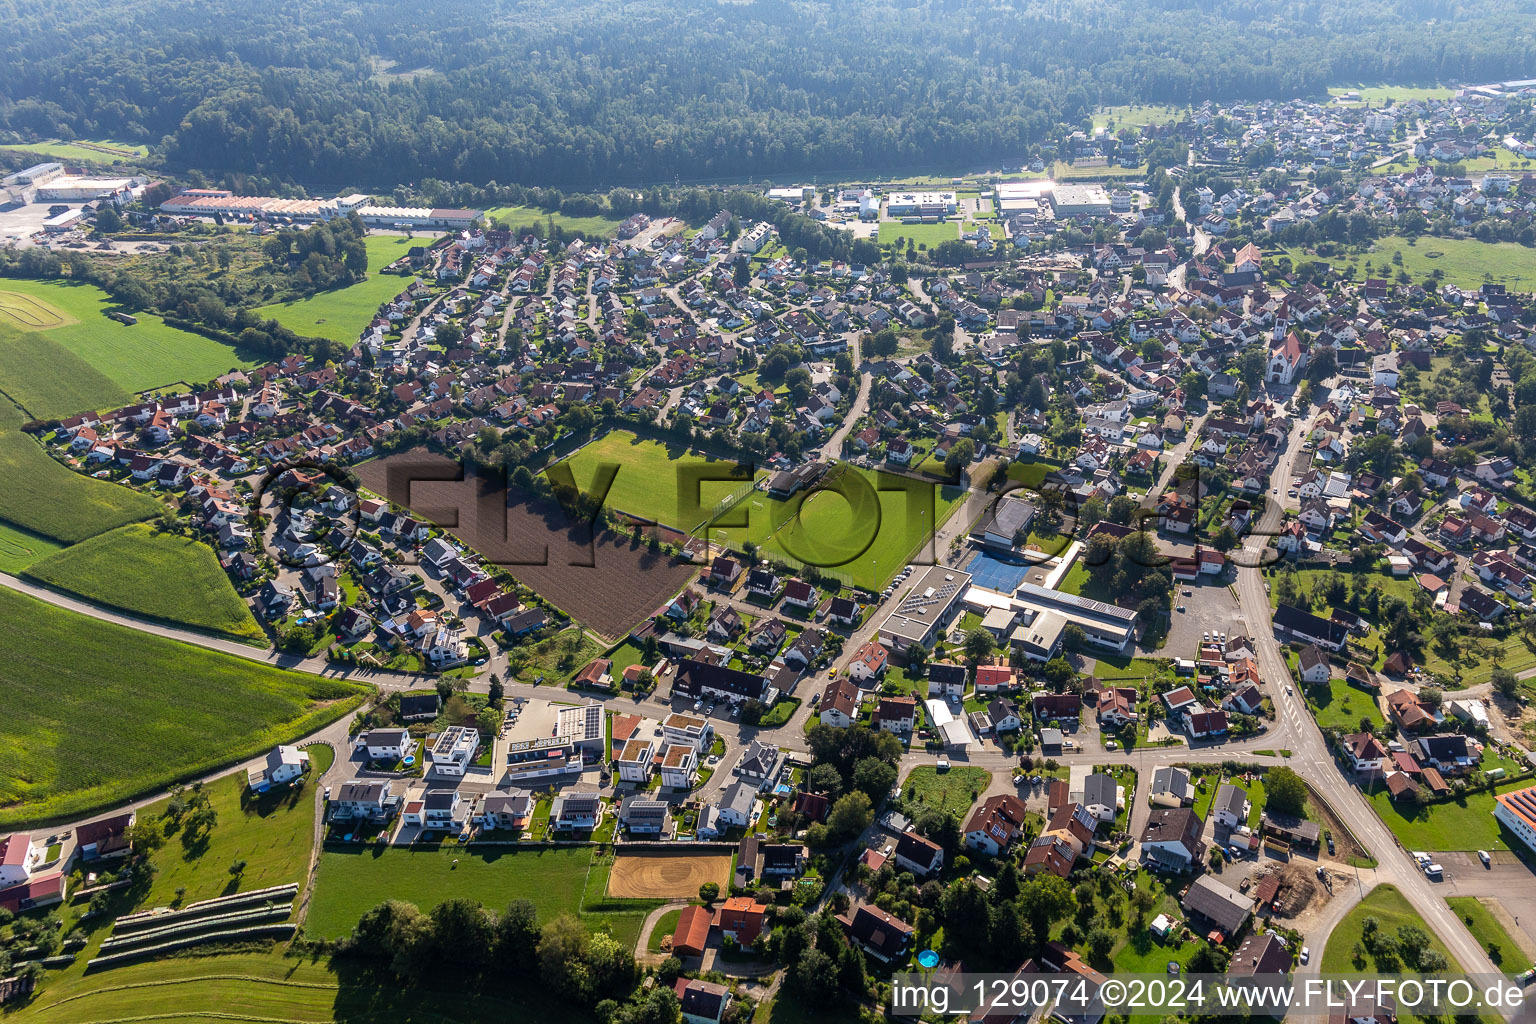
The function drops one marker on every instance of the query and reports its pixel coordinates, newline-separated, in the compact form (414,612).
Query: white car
(1306,953)
(1111,745)
(1482,855)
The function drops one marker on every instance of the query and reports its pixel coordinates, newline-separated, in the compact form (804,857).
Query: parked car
(1306,953)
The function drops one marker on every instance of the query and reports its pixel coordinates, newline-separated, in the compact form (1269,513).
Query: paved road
(1311,757)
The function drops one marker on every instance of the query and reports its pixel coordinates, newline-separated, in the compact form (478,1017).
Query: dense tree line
(590,93)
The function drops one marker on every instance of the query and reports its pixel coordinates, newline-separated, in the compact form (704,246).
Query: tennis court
(995,574)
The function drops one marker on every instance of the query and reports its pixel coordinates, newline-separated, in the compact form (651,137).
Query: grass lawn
(268,986)
(62,355)
(665,926)
(1376,95)
(1467,824)
(1341,706)
(47,498)
(273,833)
(528,216)
(1464,261)
(341,313)
(557,880)
(1392,912)
(847,533)
(1063,171)
(646,482)
(1134,670)
(19,548)
(782,711)
(896,233)
(1487,931)
(948,791)
(101,151)
(160,576)
(1133,114)
(98,713)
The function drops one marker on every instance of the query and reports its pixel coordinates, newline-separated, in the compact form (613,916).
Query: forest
(592,93)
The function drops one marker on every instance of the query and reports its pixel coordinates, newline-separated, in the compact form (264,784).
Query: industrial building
(937,205)
(37,174)
(210,202)
(1021,196)
(62,222)
(72,189)
(1080,201)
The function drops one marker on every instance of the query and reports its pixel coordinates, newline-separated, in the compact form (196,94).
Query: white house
(284,764)
(1231,806)
(634,761)
(454,750)
(385,744)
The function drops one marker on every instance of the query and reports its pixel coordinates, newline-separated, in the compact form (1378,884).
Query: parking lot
(1208,608)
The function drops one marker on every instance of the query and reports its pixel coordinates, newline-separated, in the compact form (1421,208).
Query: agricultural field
(608,583)
(20,548)
(98,713)
(341,313)
(949,791)
(1463,261)
(530,216)
(44,497)
(559,880)
(101,151)
(63,355)
(156,575)
(894,232)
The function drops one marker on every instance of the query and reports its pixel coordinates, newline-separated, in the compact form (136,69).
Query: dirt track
(666,875)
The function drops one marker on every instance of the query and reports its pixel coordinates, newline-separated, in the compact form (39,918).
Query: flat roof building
(927,605)
(66,189)
(1043,613)
(1080,201)
(921,204)
(35,175)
